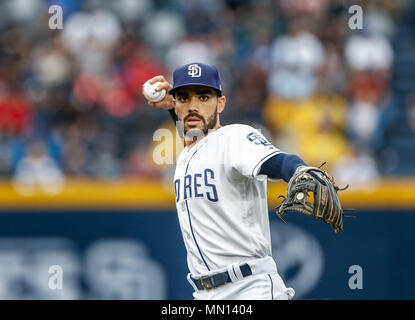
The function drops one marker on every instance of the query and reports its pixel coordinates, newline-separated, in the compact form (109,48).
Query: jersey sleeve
(247,150)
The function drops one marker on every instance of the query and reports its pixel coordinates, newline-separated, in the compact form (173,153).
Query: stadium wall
(122,241)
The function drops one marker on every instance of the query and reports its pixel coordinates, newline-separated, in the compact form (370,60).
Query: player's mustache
(194,115)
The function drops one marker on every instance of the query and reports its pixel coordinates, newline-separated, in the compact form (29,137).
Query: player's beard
(207,125)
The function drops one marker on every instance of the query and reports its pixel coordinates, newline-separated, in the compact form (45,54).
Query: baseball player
(220,184)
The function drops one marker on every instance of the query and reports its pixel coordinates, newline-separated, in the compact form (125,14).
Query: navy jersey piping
(190,220)
(272,287)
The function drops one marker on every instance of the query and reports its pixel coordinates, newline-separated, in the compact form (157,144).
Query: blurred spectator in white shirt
(370,59)
(90,36)
(189,50)
(368,52)
(295,60)
(38,171)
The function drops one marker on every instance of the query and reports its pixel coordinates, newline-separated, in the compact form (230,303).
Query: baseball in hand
(149,91)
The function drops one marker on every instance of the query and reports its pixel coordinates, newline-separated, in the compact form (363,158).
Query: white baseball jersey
(221,200)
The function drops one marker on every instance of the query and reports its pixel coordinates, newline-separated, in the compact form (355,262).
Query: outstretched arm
(281,166)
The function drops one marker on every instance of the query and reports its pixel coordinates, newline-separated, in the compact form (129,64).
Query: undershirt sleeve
(281,166)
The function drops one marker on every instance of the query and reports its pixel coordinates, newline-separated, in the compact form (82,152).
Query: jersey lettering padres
(221,200)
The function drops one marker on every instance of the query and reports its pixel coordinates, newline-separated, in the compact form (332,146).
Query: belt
(219,279)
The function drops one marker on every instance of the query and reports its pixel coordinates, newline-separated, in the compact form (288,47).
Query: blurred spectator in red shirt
(15,113)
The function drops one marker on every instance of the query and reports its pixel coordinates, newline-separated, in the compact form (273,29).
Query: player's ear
(221,103)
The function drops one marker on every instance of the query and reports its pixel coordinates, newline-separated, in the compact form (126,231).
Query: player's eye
(204,97)
(182,99)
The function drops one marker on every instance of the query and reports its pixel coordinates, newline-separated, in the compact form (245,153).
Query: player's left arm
(302,180)
(281,166)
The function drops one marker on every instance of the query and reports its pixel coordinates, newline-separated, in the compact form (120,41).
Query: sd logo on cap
(196,74)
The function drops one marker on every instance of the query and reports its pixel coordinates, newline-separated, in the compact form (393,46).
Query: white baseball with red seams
(151,94)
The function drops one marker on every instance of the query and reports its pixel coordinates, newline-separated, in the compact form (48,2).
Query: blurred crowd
(71,103)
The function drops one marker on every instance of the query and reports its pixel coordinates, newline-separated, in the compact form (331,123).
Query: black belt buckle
(207,282)
(219,279)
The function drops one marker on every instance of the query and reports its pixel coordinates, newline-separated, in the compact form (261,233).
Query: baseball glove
(326,203)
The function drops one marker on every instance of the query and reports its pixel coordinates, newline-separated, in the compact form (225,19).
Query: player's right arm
(167,102)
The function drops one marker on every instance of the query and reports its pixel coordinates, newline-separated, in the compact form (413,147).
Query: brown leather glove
(326,204)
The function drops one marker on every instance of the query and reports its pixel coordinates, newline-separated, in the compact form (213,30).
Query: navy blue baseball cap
(196,74)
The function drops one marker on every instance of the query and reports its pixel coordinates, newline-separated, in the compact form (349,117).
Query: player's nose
(194,103)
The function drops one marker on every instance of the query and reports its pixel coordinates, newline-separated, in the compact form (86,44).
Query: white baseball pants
(264,284)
